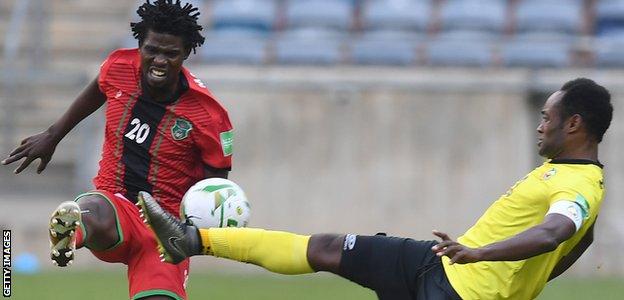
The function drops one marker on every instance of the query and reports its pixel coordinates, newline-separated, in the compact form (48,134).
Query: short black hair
(165,16)
(591,101)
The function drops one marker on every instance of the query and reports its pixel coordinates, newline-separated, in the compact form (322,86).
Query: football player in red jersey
(164,131)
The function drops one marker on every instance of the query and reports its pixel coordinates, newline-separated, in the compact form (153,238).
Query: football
(215,202)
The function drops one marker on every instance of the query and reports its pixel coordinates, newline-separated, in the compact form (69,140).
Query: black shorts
(395,268)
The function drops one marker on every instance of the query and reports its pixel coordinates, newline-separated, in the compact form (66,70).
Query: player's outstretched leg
(89,221)
(276,251)
(63,223)
(176,240)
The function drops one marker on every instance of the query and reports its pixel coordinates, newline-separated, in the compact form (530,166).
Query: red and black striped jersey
(161,148)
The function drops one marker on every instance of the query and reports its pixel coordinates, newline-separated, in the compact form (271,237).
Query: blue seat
(234,46)
(200,4)
(320,13)
(469,35)
(546,36)
(309,47)
(557,16)
(473,15)
(462,48)
(536,53)
(396,14)
(609,15)
(254,14)
(608,50)
(385,48)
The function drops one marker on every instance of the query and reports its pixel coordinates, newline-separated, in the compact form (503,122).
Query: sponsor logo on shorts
(349,242)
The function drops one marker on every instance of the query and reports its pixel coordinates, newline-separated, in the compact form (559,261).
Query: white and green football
(215,202)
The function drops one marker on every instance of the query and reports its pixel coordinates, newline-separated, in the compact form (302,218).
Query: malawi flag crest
(181,129)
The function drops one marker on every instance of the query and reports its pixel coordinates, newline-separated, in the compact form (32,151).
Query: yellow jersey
(523,206)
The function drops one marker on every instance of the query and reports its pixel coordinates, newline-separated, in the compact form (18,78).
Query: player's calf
(325,251)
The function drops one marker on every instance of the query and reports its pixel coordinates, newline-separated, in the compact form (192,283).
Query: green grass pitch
(96,285)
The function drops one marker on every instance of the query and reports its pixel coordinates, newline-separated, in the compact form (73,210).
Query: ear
(574,123)
(187,54)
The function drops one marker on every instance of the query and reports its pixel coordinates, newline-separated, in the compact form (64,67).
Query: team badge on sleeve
(227,141)
(181,129)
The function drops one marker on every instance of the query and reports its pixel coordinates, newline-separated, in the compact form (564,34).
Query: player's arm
(576,252)
(210,172)
(42,145)
(542,238)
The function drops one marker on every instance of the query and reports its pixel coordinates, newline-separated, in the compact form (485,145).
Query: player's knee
(325,251)
(98,217)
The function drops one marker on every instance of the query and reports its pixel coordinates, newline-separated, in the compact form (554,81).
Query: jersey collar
(576,162)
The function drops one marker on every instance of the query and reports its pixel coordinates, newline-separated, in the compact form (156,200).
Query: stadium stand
(537,50)
(396,14)
(549,15)
(413,32)
(486,15)
(608,49)
(462,48)
(309,46)
(241,46)
(336,14)
(385,47)
(257,15)
(609,16)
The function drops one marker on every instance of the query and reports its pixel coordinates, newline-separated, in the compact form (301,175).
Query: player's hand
(457,252)
(40,146)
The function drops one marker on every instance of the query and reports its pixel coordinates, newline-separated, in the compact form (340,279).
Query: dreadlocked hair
(165,16)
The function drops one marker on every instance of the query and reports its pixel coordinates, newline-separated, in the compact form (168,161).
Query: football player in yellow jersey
(530,235)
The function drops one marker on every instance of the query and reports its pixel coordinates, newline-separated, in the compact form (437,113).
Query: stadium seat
(473,15)
(609,15)
(467,35)
(336,14)
(201,4)
(462,48)
(253,14)
(557,16)
(536,53)
(608,50)
(385,48)
(546,36)
(234,46)
(396,14)
(309,46)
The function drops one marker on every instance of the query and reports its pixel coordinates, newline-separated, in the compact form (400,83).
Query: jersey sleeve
(569,209)
(574,200)
(110,77)
(215,140)
(104,67)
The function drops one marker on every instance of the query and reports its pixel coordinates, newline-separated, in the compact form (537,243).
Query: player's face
(550,134)
(162,56)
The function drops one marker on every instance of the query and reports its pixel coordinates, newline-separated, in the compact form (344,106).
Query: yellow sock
(277,251)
